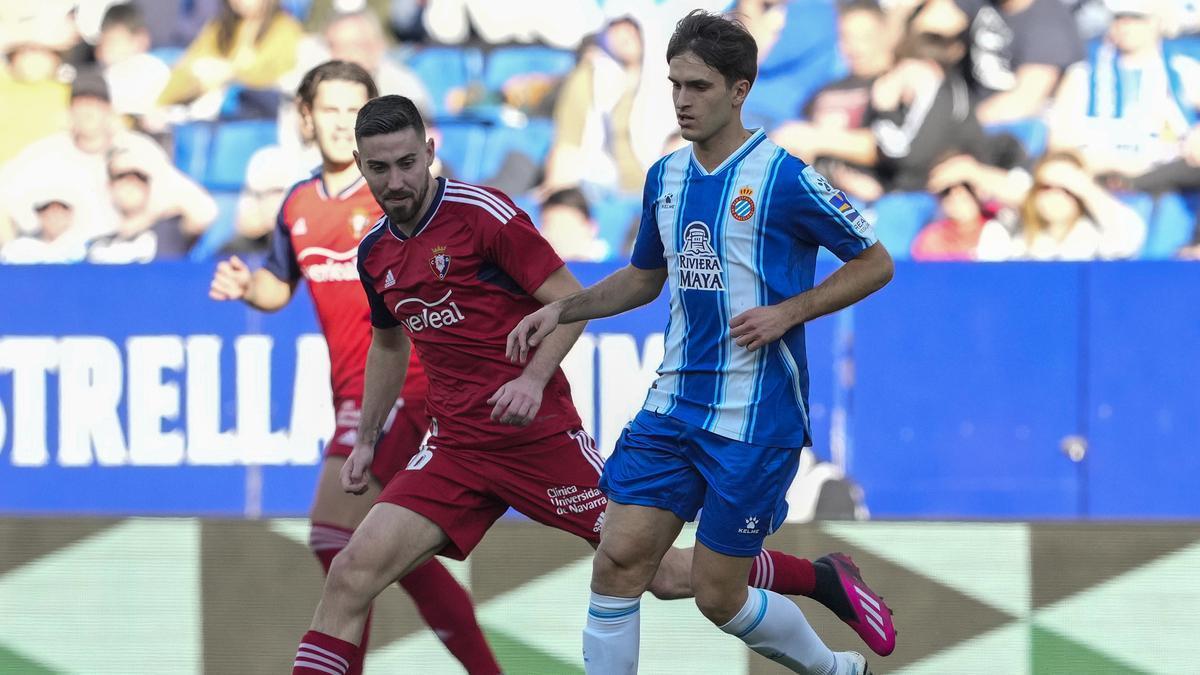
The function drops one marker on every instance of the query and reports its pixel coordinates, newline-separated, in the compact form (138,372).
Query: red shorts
(402,435)
(554,481)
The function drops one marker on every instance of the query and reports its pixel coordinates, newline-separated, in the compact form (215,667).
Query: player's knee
(350,576)
(671,580)
(623,571)
(717,605)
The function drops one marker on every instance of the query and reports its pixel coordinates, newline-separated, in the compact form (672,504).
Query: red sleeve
(519,249)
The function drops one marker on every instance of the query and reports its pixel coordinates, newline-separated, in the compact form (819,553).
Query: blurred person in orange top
(251,43)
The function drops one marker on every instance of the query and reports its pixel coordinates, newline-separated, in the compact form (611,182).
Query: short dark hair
(126,15)
(572,198)
(721,42)
(334,70)
(387,115)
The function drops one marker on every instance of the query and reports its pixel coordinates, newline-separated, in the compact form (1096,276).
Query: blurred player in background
(734,223)
(451,268)
(316,238)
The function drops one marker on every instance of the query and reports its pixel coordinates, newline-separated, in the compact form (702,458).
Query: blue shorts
(662,462)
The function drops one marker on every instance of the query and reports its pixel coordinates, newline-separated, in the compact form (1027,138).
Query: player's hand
(517,401)
(356,472)
(756,328)
(231,280)
(530,333)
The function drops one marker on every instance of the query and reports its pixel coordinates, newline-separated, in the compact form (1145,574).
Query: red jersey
(458,286)
(316,237)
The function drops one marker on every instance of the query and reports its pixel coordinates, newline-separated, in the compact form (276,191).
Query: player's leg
(442,602)
(391,541)
(745,501)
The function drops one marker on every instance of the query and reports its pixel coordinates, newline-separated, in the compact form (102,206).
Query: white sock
(774,626)
(610,640)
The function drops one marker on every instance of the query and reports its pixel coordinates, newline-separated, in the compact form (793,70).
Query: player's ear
(358,162)
(430,150)
(741,89)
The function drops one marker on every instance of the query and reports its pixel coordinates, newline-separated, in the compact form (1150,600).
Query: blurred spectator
(359,37)
(148,232)
(966,228)
(566,222)
(919,109)
(558,23)
(251,45)
(1129,106)
(1019,50)
(866,44)
(135,77)
(611,118)
(55,238)
(173,23)
(79,159)
(1068,216)
(33,101)
(272,171)
(1192,250)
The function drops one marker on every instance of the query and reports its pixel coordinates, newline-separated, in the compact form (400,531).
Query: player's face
(334,109)
(704,104)
(396,167)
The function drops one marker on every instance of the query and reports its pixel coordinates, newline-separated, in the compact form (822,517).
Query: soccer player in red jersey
(320,224)
(451,268)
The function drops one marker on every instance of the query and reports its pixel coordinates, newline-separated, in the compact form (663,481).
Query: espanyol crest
(440,262)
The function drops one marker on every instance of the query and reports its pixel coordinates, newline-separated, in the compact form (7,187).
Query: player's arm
(387,366)
(260,289)
(861,276)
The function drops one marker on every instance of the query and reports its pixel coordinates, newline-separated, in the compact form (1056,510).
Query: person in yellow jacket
(251,43)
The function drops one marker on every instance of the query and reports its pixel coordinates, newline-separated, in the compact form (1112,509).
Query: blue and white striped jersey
(743,236)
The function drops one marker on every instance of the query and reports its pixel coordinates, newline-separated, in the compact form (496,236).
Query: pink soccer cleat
(860,607)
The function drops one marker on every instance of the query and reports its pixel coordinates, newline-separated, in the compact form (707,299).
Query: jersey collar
(349,189)
(750,143)
(433,207)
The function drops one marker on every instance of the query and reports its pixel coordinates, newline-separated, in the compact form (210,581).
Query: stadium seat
(232,145)
(533,140)
(222,229)
(1170,226)
(168,55)
(1032,134)
(297,8)
(899,216)
(505,62)
(192,142)
(614,215)
(444,69)
(462,147)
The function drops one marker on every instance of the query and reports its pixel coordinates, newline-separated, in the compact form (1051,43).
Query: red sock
(447,609)
(321,654)
(326,541)
(783,573)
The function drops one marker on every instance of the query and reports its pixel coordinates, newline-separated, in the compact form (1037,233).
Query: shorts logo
(837,199)
(751,526)
(440,262)
(699,268)
(742,206)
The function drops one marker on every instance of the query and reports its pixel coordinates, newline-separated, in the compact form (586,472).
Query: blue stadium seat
(222,229)
(1170,226)
(614,215)
(168,55)
(192,144)
(462,147)
(899,216)
(232,145)
(1031,132)
(533,140)
(297,8)
(505,62)
(444,69)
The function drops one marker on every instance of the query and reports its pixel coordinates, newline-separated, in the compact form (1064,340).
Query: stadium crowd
(966,129)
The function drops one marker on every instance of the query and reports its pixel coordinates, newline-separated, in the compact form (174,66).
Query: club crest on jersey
(359,220)
(440,262)
(699,268)
(742,206)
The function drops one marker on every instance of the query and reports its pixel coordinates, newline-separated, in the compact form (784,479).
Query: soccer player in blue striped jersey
(734,223)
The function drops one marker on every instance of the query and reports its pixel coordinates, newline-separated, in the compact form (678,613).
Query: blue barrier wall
(124,390)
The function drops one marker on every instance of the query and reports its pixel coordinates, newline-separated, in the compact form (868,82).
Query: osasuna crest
(699,268)
(440,262)
(359,220)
